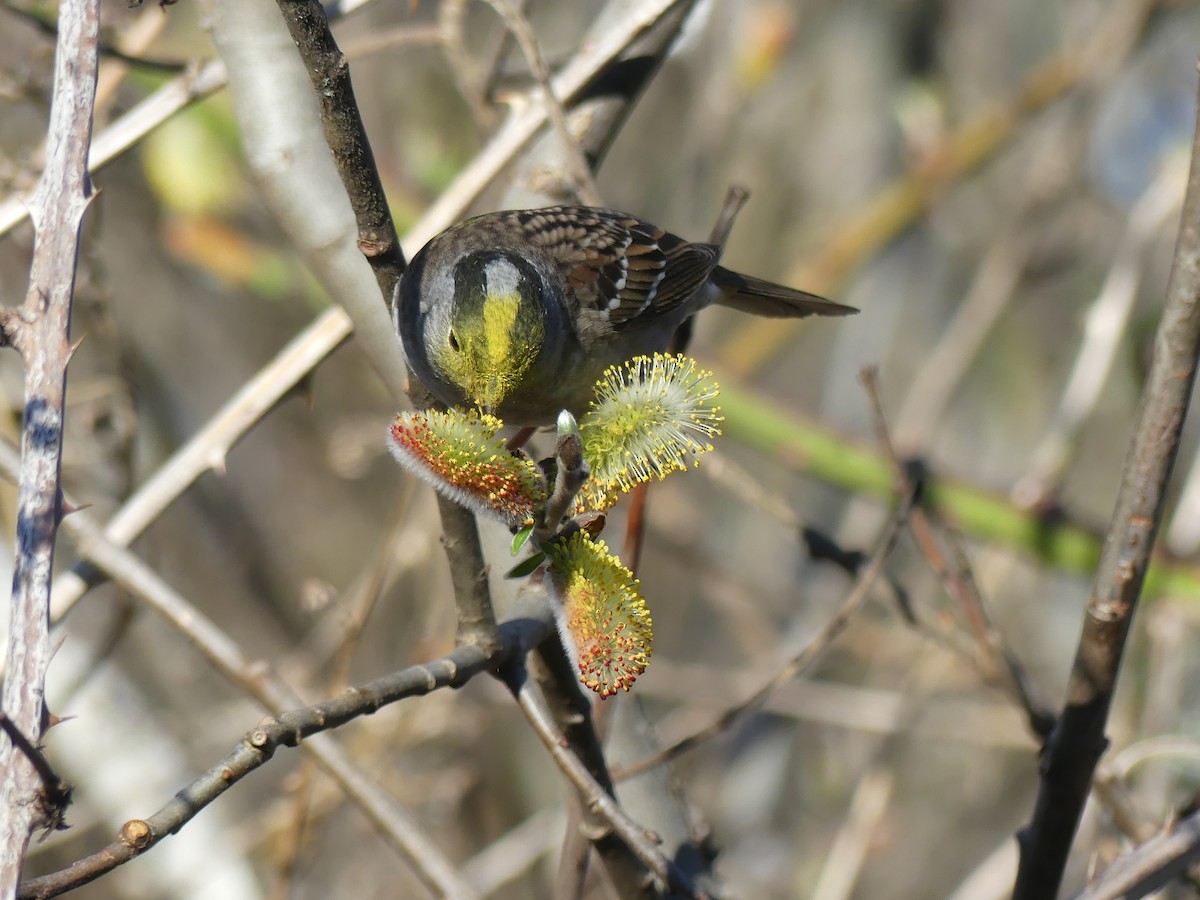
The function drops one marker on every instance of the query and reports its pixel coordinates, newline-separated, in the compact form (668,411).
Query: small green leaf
(521,538)
(526,566)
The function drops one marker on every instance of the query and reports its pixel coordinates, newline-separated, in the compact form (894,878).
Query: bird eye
(453,341)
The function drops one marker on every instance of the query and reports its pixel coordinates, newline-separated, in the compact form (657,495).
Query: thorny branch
(41,334)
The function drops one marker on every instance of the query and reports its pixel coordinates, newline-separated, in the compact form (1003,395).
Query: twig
(799,663)
(959,581)
(299,727)
(1150,867)
(1105,324)
(735,199)
(55,794)
(40,331)
(577,165)
(468,575)
(131,127)
(594,796)
(257,680)
(1077,741)
(347,138)
(570,473)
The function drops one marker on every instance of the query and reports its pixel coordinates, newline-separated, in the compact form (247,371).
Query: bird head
(495,328)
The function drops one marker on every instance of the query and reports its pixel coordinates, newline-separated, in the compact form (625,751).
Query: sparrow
(519,312)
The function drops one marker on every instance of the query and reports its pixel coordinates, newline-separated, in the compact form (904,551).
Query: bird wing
(617,264)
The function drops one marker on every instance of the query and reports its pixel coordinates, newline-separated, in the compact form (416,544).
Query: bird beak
(487,393)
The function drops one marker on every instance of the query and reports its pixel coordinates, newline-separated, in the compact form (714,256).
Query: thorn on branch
(10,323)
(55,794)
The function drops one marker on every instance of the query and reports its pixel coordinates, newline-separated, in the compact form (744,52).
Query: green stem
(980,514)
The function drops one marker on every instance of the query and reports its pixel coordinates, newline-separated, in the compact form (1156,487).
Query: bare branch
(576,163)
(1077,741)
(530,624)
(1151,867)
(41,332)
(258,681)
(596,798)
(799,663)
(131,127)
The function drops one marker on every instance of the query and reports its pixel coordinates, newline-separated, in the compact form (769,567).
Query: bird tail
(764,298)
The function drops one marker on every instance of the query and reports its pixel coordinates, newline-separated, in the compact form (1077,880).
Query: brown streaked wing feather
(617,263)
(688,268)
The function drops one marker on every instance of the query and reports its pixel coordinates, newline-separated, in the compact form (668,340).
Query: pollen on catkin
(461,455)
(603,620)
(651,416)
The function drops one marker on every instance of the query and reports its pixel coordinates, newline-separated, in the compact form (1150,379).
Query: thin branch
(798,664)
(576,163)
(1000,665)
(531,622)
(125,132)
(54,796)
(1150,867)
(258,681)
(1106,322)
(468,574)
(40,331)
(1078,739)
(595,797)
(735,198)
